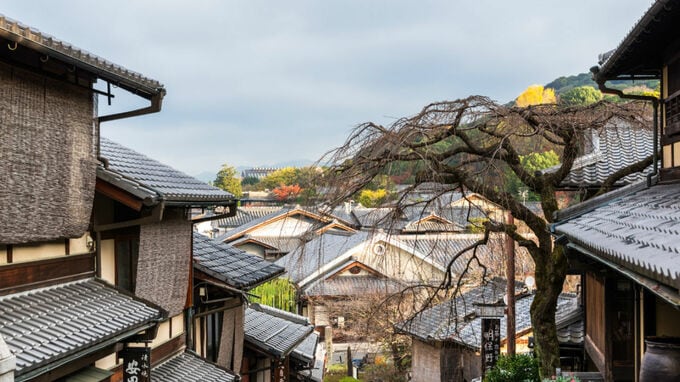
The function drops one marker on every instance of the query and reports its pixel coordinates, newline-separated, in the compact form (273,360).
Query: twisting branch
(474,144)
(608,184)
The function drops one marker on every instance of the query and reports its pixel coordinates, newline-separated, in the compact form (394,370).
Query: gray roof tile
(352,286)
(455,319)
(638,231)
(44,325)
(318,252)
(231,265)
(440,249)
(306,350)
(613,148)
(148,178)
(245,215)
(275,331)
(25,35)
(189,367)
(295,220)
(282,244)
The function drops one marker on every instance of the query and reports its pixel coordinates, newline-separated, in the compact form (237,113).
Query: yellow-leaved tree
(536,95)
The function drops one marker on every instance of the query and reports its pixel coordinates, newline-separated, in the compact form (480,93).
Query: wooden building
(625,243)
(95,239)
(447,338)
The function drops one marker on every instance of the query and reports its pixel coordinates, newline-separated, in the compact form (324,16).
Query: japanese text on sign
(491,343)
(136,364)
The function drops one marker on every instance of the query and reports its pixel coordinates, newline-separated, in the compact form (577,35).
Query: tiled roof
(614,148)
(245,215)
(189,367)
(149,179)
(274,331)
(45,325)
(318,252)
(285,222)
(641,51)
(382,217)
(306,350)
(352,286)
(31,37)
(455,320)
(282,244)
(440,249)
(316,373)
(432,223)
(638,231)
(231,265)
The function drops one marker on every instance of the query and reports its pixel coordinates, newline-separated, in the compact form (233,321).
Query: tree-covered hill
(564,84)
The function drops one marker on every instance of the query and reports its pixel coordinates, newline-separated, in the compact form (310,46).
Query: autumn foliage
(285,192)
(536,95)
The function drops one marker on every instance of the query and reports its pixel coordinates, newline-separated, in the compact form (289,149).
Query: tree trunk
(550,274)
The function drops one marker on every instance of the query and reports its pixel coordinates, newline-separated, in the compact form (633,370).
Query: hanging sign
(136,364)
(491,343)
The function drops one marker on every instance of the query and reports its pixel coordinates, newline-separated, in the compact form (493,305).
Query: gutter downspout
(156,103)
(655,104)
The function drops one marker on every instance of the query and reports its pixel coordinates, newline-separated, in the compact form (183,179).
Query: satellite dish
(530,282)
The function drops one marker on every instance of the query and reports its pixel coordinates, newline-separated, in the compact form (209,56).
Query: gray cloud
(256,82)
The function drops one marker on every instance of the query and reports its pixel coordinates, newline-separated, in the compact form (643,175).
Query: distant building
(257,172)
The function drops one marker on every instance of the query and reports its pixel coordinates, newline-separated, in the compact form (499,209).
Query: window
(213,332)
(127,254)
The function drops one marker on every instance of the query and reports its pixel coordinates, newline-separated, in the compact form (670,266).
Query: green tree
(532,162)
(286,176)
(278,293)
(249,181)
(582,95)
(227,180)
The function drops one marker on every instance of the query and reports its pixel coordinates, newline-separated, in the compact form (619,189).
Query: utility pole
(510,275)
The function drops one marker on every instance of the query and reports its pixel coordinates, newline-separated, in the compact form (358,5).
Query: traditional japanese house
(280,346)
(447,338)
(95,239)
(280,232)
(144,233)
(222,276)
(56,317)
(358,268)
(625,242)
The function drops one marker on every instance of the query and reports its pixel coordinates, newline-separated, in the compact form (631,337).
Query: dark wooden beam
(167,349)
(22,276)
(118,195)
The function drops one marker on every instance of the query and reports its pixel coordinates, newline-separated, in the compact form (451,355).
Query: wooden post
(350,372)
(510,274)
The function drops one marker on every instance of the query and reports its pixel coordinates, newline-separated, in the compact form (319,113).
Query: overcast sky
(260,82)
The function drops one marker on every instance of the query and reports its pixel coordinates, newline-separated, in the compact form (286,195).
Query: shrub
(348,379)
(520,368)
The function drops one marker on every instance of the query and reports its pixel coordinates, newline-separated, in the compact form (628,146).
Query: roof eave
(32,373)
(667,294)
(143,87)
(605,71)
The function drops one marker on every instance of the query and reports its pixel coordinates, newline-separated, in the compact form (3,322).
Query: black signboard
(491,343)
(136,364)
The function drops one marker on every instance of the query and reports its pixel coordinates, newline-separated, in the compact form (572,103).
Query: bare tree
(473,144)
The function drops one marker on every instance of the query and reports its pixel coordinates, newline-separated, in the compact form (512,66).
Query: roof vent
(379,249)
